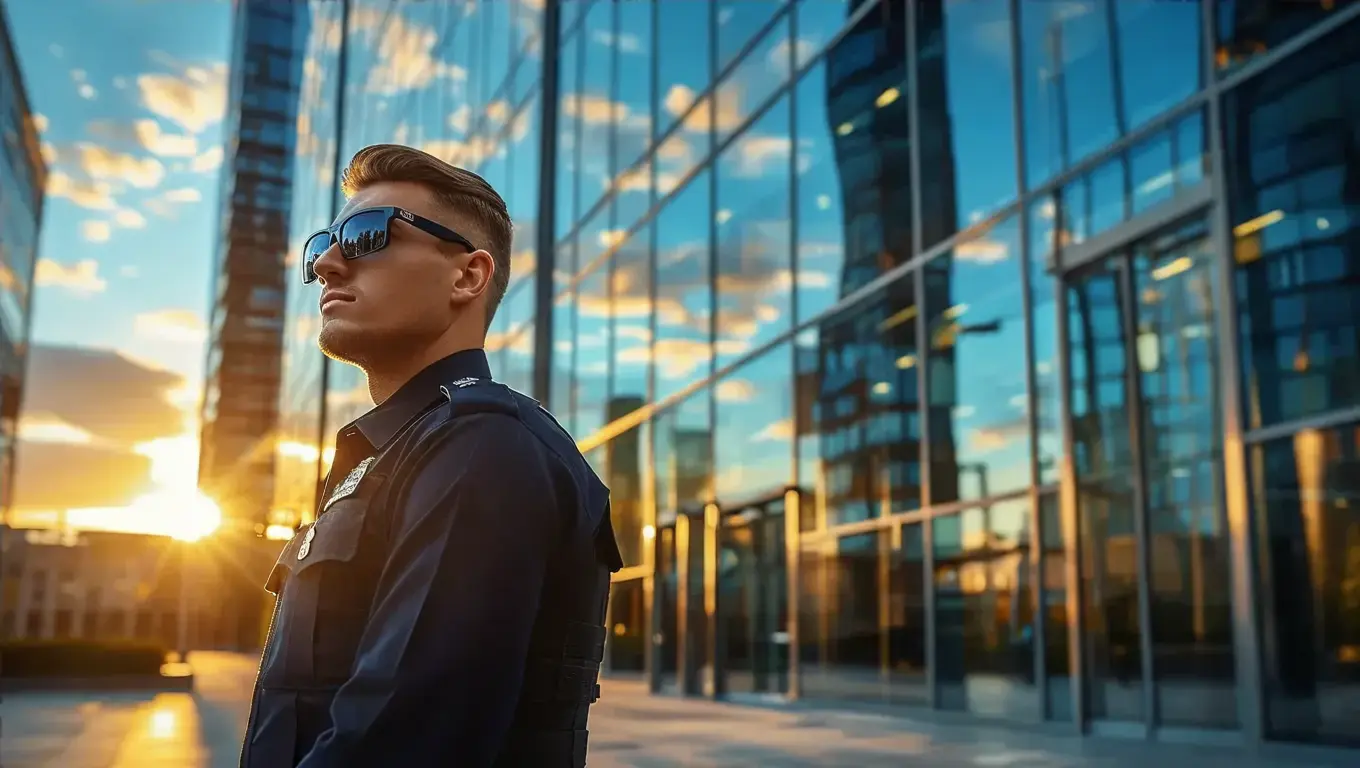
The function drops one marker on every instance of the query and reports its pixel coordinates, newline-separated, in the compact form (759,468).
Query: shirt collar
(382,423)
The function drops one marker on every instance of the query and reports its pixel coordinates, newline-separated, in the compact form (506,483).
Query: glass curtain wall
(919,342)
(460,80)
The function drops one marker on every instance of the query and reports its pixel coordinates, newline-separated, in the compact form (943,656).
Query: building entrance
(1142,380)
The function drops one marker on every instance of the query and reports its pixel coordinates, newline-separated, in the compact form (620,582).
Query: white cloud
(183,195)
(129,218)
(80,278)
(157,142)
(194,100)
(179,325)
(86,91)
(103,163)
(96,231)
(405,55)
(40,122)
(86,194)
(127,271)
(209,161)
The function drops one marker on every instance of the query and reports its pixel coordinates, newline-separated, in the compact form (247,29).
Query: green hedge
(78,658)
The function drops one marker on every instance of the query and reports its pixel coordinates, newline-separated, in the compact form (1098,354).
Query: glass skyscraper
(992,356)
(23,179)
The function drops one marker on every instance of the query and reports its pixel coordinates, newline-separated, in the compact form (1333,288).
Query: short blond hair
(460,190)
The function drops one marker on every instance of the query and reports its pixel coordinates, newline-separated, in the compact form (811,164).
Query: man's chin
(340,343)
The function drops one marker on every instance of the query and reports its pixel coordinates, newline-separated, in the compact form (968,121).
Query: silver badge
(350,482)
(307,542)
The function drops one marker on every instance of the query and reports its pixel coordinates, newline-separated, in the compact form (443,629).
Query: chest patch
(350,483)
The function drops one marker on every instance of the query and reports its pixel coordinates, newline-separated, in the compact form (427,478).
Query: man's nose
(330,264)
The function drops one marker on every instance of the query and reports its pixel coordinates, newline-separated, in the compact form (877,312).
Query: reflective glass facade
(23,177)
(990,356)
(462,81)
(236,464)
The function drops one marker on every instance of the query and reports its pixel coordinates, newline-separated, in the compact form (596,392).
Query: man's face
(397,302)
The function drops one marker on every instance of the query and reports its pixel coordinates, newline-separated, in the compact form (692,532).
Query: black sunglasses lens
(312,251)
(363,233)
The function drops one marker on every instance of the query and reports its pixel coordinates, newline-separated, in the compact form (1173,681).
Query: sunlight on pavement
(166,734)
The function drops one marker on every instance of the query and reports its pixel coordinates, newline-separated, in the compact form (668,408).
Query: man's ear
(476,270)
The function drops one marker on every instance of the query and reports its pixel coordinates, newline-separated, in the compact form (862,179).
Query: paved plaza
(629,730)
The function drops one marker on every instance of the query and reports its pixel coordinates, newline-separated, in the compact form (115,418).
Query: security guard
(447,606)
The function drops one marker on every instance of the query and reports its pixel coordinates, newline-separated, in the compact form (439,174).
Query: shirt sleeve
(440,664)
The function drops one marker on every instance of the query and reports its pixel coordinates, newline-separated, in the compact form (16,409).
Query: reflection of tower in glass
(939,214)
(1295,311)
(625,480)
(864,394)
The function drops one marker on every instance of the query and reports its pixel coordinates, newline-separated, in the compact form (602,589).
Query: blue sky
(128,97)
(135,127)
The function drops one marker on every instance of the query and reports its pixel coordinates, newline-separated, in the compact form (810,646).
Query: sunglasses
(367,231)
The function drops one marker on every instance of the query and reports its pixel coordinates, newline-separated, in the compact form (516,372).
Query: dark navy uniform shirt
(408,613)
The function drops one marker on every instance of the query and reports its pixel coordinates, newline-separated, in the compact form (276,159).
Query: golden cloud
(95,231)
(178,325)
(129,219)
(207,162)
(81,277)
(157,142)
(102,163)
(96,195)
(194,99)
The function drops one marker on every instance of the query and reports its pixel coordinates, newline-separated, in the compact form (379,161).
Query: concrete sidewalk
(629,729)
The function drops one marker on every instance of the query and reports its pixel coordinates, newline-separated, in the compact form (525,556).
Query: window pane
(984,611)
(1305,498)
(625,459)
(594,106)
(633,112)
(683,50)
(684,460)
(1069,96)
(854,163)
(1292,167)
(627,626)
(1160,56)
(839,629)
(753,439)
(979,411)
(1057,641)
(631,298)
(753,81)
(738,22)
(593,351)
(1043,234)
(1248,28)
(858,421)
(684,302)
(568,131)
(818,21)
(966,103)
(754,294)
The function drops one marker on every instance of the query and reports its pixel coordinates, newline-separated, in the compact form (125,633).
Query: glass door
(667,598)
(1143,379)
(753,602)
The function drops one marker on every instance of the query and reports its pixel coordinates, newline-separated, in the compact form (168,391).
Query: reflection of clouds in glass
(760,155)
(727,114)
(624,42)
(734,391)
(779,431)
